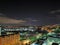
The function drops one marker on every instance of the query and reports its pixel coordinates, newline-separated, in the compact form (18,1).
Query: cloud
(35,20)
(31,19)
(6,20)
(1,14)
(55,11)
(52,12)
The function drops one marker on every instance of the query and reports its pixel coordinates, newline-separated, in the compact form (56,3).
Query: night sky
(31,13)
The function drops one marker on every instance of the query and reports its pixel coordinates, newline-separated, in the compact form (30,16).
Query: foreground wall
(12,39)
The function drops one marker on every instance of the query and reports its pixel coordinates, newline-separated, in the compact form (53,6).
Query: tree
(57,31)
